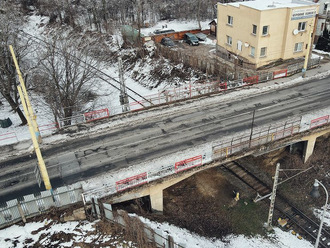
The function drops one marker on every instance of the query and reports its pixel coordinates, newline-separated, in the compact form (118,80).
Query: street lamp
(315,194)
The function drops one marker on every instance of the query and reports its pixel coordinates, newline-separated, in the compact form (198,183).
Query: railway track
(306,225)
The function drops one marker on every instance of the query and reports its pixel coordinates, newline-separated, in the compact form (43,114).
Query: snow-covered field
(278,239)
(84,233)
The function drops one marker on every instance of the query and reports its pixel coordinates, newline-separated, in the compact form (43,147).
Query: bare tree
(66,76)
(10,21)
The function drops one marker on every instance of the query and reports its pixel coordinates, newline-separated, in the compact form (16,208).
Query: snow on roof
(270,4)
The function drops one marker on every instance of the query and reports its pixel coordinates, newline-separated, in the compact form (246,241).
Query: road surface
(160,135)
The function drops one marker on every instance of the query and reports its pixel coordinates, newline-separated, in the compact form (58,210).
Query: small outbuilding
(213,27)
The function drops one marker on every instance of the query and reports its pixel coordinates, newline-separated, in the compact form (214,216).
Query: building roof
(270,4)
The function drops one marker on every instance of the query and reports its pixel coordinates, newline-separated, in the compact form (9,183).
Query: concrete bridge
(155,189)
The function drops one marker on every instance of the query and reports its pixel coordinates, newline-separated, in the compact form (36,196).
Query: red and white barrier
(7,136)
(188,163)
(49,126)
(96,115)
(250,80)
(319,121)
(280,73)
(131,182)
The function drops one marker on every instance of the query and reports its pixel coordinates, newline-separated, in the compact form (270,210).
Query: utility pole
(123,97)
(272,200)
(41,162)
(26,97)
(254,111)
(32,123)
(308,49)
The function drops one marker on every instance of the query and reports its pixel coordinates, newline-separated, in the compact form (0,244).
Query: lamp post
(315,194)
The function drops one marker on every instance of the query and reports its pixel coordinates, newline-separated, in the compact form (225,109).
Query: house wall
(279,42)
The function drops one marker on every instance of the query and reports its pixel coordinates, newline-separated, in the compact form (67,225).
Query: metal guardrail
(30,205)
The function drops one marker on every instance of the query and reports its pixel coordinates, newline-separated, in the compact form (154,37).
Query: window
(239,45)
(263,51)
(298,47)
(230,20)
(301,26)
(325,8)
(254,29)
(229,40)
(265,30)
(252,51)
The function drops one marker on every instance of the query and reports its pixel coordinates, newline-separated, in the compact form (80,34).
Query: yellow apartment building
(256,33)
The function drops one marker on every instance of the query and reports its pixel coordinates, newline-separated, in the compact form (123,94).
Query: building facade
(321,18)
(257,33)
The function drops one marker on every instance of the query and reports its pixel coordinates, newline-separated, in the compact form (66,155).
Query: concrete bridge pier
(156,200)
(310,143)
(154,191)
(309,147)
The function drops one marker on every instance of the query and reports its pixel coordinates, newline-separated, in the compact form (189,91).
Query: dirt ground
(204,203)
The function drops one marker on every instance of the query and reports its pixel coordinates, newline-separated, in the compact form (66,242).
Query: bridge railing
(266,135)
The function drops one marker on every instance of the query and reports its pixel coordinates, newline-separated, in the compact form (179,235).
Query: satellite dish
(295,32)
(246,44)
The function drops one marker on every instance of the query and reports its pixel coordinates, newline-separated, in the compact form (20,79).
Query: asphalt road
(162,135)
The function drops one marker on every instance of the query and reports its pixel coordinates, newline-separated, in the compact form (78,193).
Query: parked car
(191,39)
(201,36)
(167,42)
(163,31)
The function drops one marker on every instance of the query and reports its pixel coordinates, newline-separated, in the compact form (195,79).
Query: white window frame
(298,47)
(263,52)
(254,32)
(302,26)
(229,40)
(230,20)
(265,34)
(239,45)
(253,51)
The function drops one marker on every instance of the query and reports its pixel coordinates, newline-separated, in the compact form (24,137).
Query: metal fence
(264,136)
(156,237)
(196,89)
(30,205)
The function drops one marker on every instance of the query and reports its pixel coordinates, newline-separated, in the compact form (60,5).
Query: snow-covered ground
(85,233)
(278,239)
(50,233)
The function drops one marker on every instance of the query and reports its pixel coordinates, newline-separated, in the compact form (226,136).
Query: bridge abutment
(310,144)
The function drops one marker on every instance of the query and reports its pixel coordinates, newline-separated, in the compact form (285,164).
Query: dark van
(191,39)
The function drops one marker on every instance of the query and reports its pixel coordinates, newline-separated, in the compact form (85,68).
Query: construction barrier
(49,126)
(8,136)
(188,163)
(280,73)
(96,115)
(250,80)
(319,121)
(132,181)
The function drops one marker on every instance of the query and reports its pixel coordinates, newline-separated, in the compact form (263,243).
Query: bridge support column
(156,199)
(309,147)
